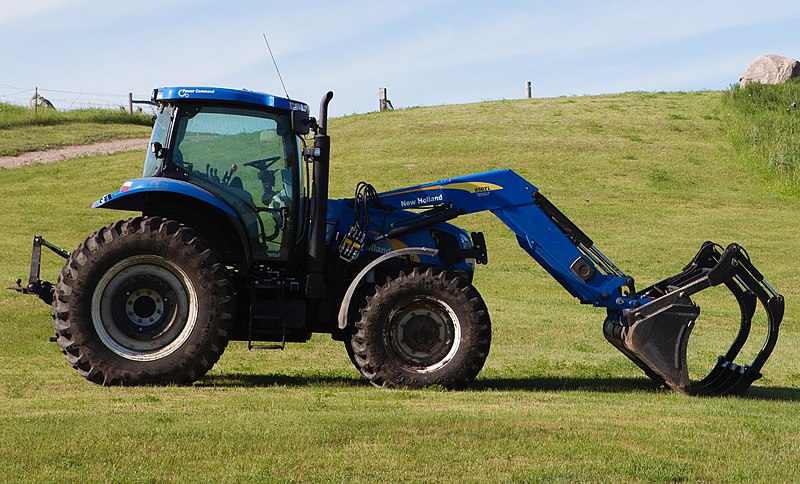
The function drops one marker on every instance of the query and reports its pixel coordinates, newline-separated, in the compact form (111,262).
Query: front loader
(238,240)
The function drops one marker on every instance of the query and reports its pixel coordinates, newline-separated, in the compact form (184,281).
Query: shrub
(763,123)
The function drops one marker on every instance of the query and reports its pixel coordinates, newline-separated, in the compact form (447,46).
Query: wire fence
(71,100)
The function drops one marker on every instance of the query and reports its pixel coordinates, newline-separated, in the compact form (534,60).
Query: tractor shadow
(520,384)
(616,385)
(786,394)
(242,380)
(567,384)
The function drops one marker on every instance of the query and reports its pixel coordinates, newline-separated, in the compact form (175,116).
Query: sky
(93,52)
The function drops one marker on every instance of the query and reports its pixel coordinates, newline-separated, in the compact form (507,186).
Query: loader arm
(650,327)
(548,236)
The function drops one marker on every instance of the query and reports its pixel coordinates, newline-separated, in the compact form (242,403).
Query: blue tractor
(238,240)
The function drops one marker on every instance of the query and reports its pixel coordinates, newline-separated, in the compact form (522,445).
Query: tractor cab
(245,149)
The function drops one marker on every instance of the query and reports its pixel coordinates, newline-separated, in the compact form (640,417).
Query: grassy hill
(648,176)
(21,129)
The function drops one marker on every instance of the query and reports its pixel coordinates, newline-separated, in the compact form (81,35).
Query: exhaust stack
(320,155)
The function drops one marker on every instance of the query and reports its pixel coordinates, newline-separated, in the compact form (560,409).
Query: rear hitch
(43,289)
(655,335)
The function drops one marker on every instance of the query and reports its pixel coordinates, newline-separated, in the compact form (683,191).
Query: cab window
(152,163)
(244,156)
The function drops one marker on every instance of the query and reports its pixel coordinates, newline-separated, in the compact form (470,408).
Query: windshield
(160,130)
(246,157)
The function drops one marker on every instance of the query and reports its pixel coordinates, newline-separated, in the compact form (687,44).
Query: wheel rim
(144,308)
(423,334)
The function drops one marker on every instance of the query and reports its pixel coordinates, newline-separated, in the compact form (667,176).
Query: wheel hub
(422,334)
(144,307)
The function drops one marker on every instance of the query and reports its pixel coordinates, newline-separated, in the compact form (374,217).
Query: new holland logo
(429,200)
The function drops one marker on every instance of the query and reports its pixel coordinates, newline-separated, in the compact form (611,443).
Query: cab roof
(185,93)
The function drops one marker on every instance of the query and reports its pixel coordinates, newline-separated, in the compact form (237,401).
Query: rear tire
(422,329)
(143,301)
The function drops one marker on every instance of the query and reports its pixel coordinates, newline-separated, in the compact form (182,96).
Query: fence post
(382,98)
(36,101)
(130,103)
(384,104)
(528,89)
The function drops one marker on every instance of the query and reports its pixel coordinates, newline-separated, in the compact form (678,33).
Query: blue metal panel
(183,93)
(132,189)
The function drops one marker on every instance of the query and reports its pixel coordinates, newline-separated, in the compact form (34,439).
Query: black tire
(422,329)
(143,301)
(348,346)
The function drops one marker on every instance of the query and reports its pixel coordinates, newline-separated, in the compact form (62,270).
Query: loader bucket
(655,335)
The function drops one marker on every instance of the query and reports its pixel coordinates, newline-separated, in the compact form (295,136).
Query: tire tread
(76,335)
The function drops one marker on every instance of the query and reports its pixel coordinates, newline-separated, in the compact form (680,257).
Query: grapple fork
(656,334)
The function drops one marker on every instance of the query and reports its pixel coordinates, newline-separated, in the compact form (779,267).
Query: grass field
(21,129)
(648,176)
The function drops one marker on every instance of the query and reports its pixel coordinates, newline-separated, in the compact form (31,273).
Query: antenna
(276,66)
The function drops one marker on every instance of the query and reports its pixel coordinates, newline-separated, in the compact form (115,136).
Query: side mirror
(158,150)
(301,124)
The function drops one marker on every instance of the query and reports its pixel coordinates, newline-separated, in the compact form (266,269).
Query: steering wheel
(267,178)
(262,165)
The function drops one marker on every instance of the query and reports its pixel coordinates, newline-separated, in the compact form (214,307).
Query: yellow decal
(473,187)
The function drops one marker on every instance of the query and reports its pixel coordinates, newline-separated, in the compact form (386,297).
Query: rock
(38,100)
(770,69)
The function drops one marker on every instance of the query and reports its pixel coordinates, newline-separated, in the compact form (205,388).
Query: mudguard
(344,308)
(131,194)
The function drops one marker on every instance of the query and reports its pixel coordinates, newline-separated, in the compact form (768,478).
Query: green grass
(22,130)
(648,176)
(763,123)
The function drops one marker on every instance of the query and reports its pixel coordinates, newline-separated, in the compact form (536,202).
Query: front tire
(143,301)
(422,329)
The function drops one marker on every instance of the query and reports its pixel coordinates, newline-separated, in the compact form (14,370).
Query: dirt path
(58,154)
